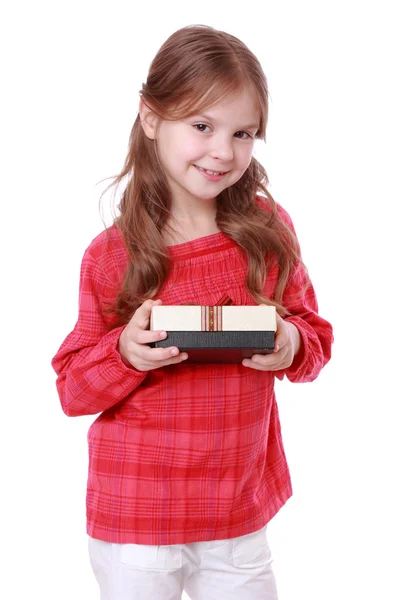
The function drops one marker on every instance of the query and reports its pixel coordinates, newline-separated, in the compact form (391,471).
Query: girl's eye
(201,127)
(243,135)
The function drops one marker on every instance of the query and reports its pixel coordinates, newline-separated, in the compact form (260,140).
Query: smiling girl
(186,462)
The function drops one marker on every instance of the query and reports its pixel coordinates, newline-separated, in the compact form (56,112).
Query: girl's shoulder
(107,253)
(108,241)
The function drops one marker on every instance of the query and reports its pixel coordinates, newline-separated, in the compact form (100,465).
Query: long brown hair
(195,68)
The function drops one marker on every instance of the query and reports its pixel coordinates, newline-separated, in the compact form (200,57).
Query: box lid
(217,318)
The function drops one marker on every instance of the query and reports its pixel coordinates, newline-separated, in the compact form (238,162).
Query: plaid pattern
(189,452)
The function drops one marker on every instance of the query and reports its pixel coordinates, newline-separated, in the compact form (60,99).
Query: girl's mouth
(211,175)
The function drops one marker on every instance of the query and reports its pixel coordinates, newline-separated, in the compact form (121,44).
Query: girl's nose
(222,149)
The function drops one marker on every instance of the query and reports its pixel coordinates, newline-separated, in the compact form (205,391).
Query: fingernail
(184,356)
(163,334)
(174,351)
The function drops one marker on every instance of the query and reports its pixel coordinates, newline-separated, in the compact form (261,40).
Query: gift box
(222,334)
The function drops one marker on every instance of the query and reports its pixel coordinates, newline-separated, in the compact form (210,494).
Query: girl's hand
(287,345)
(134,340)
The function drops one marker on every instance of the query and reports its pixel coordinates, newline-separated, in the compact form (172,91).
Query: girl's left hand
(287,345)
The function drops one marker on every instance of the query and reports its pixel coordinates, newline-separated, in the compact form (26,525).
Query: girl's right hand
(134,340)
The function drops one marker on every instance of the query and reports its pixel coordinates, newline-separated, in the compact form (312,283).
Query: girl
(186,464)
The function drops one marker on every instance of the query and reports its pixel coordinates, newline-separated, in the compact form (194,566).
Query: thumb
(141,317)
(280,333)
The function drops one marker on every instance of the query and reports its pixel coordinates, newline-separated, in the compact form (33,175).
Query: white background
(71,72)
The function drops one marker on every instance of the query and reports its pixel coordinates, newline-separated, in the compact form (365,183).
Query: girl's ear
(148,119)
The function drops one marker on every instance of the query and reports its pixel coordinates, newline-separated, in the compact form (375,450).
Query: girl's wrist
(120,348)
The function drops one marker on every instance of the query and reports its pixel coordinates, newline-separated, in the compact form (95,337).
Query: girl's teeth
(210,172)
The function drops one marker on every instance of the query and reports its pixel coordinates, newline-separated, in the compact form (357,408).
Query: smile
(210,172)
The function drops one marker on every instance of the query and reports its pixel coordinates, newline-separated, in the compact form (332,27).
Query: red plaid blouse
(188,452)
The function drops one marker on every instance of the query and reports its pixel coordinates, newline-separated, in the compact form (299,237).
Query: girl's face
(206,153)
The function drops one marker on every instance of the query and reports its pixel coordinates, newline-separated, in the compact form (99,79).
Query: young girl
(186,463)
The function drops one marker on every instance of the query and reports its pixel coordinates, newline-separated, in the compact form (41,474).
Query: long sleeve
(316,333)
(91,374)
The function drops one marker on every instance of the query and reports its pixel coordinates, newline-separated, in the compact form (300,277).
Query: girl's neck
(188,227)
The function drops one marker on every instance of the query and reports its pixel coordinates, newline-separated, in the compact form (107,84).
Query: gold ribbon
(211,316)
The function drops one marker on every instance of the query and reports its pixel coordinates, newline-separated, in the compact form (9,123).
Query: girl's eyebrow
(211,118)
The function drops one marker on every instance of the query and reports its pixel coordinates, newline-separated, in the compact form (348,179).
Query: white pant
(234,569)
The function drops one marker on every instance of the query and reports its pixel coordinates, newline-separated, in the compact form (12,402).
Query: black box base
(219,346)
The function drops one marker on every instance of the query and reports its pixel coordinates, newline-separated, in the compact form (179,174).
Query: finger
(262,362)
(150,365)
(141,317)
(281,336)
(259,366)
(182,356)
(281,339)
(155,355)
(145,336)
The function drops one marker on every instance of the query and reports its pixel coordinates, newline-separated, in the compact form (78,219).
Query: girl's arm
(303,339)
(91,373)
(315,332)
(316,335)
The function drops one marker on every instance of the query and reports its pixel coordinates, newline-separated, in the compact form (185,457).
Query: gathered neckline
(215,242)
